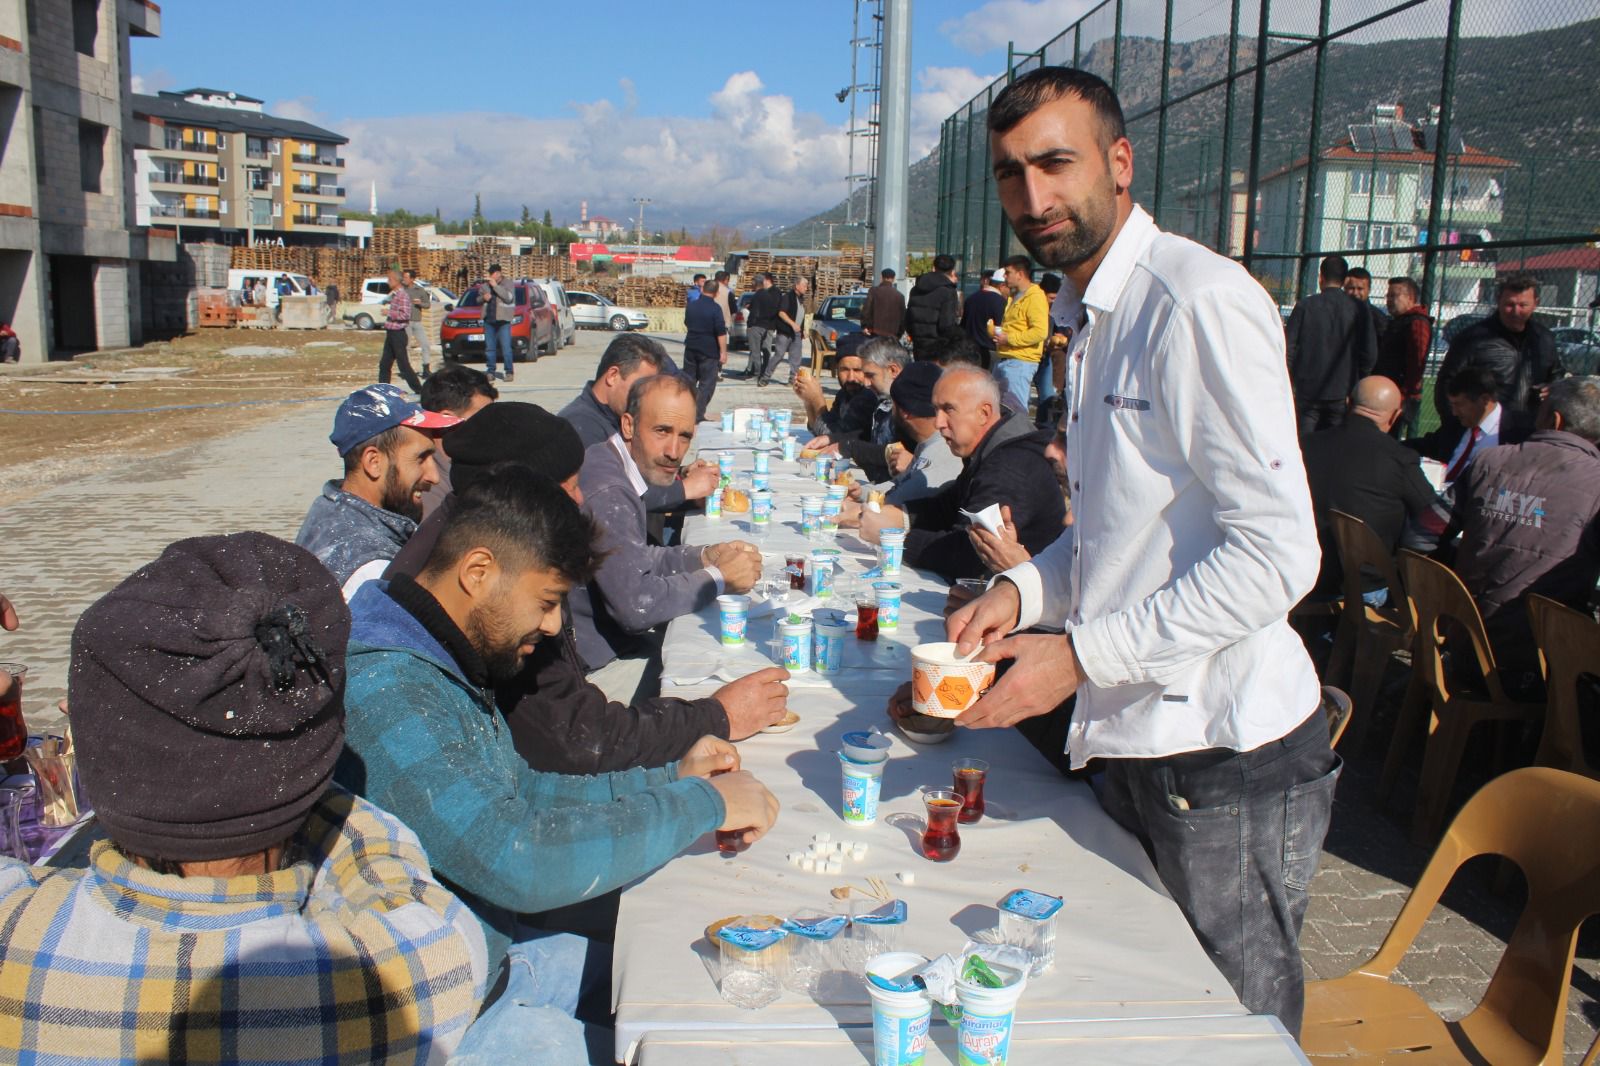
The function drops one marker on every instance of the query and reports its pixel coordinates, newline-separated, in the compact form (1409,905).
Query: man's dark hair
(698,278)
(525,519)
(1050,283)
(1409,286)
(1360,273)
(1473,382)
(494,268)
(386,442)
(1020,262)
(1047,84)
(642,388)
(1334,268)
(722,276)
(948,351)
(943,264)
(628,351)
(771,277)
(1577,400)
(1517,283)
(888,273)
(408,272)
(454,386)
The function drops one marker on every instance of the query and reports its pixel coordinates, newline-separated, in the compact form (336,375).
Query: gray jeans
(788,350)
(1236,838)
(419,332)
(759,340)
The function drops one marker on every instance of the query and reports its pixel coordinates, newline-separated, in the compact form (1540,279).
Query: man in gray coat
(499,303)
(641,585)
(421,300)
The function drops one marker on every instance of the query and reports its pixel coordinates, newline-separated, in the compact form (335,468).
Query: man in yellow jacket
(1019,339)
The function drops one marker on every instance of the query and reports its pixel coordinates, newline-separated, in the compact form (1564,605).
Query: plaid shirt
(354,954)
(399,310)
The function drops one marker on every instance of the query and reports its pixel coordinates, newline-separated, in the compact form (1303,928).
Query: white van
(245,281)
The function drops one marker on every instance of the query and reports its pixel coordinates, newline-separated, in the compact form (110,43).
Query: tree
(477,208)
(526,217)
(549,223)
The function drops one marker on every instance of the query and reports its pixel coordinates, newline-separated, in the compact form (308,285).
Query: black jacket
(763,310)
(562,723)
(867,451)
(792,305)
(1520,362)
(932,310)
(1440,444)
(1331,345)
(1008,468)
(982,308)
(850,417)
(1362,471)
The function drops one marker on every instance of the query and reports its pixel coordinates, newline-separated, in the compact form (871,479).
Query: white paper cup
(734,616)
(863,782)
(987,1018)
(795,638)
(830,631)
(899,1019)
(941,685)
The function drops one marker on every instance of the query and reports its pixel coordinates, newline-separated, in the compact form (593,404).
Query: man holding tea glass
(1193,538)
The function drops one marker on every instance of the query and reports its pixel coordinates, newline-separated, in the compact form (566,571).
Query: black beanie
(518,432)
(912,390)
(207,695)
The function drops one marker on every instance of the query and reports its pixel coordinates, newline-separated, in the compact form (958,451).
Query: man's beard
(488,636)
(399,498)
(1074,244)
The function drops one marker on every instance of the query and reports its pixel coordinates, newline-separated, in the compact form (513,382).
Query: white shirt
(1193,532)
(637,482)
(1488,437)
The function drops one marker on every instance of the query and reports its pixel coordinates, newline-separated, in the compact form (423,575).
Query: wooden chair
(1436,598)
(1569,648)
(1367,637)
(1546,821)
(1337,706)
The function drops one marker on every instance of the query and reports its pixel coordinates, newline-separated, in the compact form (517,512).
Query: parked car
(369,312)
(590,310)
(1579,349)
(245,280)
(534,327)
(556,293)
(739,328)
(838,316)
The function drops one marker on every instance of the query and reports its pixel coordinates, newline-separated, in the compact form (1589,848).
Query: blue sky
(725,119)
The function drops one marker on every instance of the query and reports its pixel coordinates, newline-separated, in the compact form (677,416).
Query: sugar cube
(906,877)
(823,838)
(808,865)
(835,866)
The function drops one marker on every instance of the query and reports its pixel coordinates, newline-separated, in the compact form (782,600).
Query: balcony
(143,17)
(197,147)
(333,192)
(314,160)
(319,221)
(184,214)
(259,154)
(183,180)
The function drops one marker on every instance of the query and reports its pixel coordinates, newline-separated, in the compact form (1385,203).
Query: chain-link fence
(1450,141)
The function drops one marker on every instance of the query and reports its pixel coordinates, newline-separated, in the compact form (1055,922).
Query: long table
(1124,951)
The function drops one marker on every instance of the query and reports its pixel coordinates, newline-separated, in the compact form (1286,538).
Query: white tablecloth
(1124,951)
(1246,1041)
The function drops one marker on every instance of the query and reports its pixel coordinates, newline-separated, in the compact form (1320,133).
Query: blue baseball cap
(368,412)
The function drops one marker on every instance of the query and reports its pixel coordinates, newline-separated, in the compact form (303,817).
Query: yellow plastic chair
(1569,648)
(1367,637)
(1436,597)
(1546,821)
(1337,706)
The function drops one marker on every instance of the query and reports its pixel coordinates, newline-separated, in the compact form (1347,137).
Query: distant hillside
(1528,98)
(924,214)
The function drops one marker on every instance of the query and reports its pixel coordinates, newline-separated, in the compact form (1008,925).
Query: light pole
(639,232)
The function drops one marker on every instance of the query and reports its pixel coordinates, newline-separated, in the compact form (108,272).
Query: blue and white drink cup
(795,638)
(760,507)
(891,550)
(819,579)
(899,1019)
(830,630)
(725,465)
(760,480)
(763,462)
(987,1018)
(888,604)
(837,492)
(830,517)
(734,615)
(863,783)
(791,449)
(727,421)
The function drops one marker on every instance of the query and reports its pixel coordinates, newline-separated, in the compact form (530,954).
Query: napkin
(988,518)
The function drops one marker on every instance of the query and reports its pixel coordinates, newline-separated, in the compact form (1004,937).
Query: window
(222,140)
(1387,181)
(1382,236)
(91,154)
(85,25)
(1360,182)
(1355,235)
(222,173)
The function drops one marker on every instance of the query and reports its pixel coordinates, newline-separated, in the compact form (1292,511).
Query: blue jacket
(426,744)
(346,532)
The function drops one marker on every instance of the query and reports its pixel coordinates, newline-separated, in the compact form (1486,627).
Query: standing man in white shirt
(1194,537)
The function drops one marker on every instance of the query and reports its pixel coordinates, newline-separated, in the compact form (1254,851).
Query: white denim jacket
(1193,532)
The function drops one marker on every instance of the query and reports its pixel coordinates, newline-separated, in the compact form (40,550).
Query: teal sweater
(425,743)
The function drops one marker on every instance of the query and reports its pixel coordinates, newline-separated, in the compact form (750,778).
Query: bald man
(1002,463)
(1359,469)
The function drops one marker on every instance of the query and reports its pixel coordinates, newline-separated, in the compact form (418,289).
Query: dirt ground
(246,376)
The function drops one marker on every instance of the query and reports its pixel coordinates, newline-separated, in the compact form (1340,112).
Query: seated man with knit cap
(387,443)
(241,900)
(427,741)
(559,720)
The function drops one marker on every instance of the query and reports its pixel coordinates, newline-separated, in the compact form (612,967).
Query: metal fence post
(1309,212)
(1441,155)
(1161,117)
(1258,104)
(1227,132)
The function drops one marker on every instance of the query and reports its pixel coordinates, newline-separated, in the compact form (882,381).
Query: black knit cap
(520,432)
(207,696)
(913,389)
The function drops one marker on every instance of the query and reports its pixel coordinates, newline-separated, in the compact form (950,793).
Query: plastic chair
(1569,648)
(1337,706)
(1546,821)
(1436,597)
(1367,637)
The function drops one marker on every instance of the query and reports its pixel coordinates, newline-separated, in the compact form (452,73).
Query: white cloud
(940,91)
(754,157)
(1028,22)
(151,83)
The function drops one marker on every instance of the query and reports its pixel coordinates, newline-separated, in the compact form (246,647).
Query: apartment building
(212,164)
(70,253)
